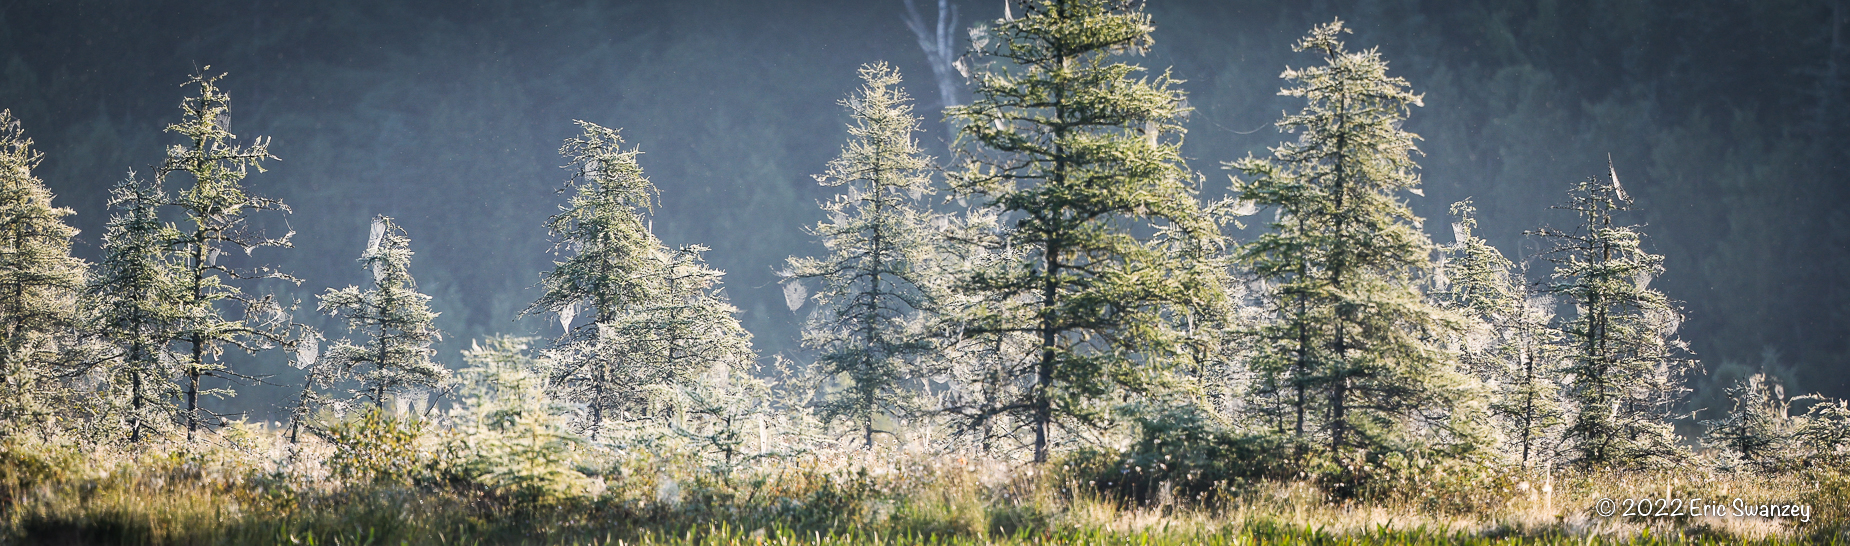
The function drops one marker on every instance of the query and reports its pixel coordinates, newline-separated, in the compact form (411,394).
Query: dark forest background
(1724,119)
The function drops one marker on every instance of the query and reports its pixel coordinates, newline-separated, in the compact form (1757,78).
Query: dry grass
(249,487)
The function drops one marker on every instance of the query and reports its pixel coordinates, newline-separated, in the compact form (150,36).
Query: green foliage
(612,266)
(1081,160)
(1627,367)
(879,277)
(1763,433)
(133,302)
(1507,340)
(39,284)
(510,435)
(396,319)
(1351,363)
(378,447)
(659,320)
(216,210)
(1180,454)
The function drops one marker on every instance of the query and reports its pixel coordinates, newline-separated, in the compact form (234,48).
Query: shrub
(377,447)
(510,436)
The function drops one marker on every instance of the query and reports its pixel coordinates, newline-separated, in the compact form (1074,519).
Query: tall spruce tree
(1353,357)
(394,319)
(39,285)
(1627,367)
(658,321)
(609,270)
(216,210)
(1082,157)
(134,300)
(876,278)
(1507,341)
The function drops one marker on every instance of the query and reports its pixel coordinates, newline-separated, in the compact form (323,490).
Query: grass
(248,487)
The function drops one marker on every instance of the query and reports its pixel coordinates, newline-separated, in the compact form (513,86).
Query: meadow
(248,484)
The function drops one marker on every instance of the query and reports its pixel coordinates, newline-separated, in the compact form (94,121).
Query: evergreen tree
(1352,360)
(39,284)
(1627,367)
(1507,340)
(1072,149)
(660,321)
(395,319)
(217,210)
(688,329)
(610,271)
(875,281)
(977,365)
(134,303)
(510,432)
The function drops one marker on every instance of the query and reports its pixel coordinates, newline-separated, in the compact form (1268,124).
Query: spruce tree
(1627,367)
(39,285)
(976,366)
(134,303)
(216,210)
(1507,340)
(609,270)
(1352,358)
(1082,157)
(874,280)
(660,321)
(394,353)
(511,434)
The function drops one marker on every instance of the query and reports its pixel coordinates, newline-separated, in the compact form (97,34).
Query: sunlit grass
(249,487)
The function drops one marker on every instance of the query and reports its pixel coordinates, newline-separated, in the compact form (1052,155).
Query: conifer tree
(976,365)
(689,328)
(216,209)
(39,284)
(134,301)
(1352,359)
(1507,340)
(874,280)
(394,353)
(1627,368)
(511,433)
(609,271)
(1078,153)
(659,320)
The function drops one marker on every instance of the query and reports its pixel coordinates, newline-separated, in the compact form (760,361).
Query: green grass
(251,489)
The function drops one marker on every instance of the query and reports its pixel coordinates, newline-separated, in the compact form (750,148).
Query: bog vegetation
(1047,337)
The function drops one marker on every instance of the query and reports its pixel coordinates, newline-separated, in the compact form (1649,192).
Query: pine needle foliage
(608,269)
(1352,360)
(511,436)
(134,301)
(39,285)
(216,212)
(689,329)
(395,320)
(1764,432)
(659,320)
(877,279)
(1507,341)
(1627,367)
(1082,158)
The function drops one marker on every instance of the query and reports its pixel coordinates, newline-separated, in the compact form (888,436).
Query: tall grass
(248,486)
